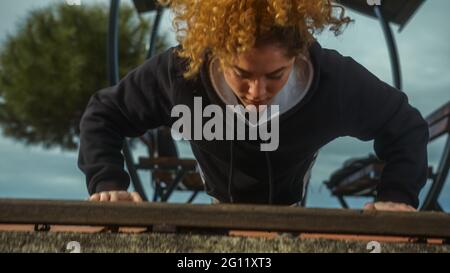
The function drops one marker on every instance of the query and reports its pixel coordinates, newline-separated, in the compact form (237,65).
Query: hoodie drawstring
(230,174)
(269,170)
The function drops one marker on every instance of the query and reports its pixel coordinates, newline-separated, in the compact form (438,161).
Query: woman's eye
(243,76)
(277,77)
(239,75)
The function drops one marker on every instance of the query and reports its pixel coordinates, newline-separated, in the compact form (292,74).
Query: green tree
(52,65)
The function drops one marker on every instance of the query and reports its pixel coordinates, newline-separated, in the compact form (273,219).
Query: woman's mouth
(259,105)
(255,102)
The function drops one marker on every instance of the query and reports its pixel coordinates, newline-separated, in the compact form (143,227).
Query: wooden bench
(169,172)
(363,180)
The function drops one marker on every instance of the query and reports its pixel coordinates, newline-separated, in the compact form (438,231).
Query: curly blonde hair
(226,28)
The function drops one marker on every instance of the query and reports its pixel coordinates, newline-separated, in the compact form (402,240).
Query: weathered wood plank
(437,115)
(238,217)
(439,128)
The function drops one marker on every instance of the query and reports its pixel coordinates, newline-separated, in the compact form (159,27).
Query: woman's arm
(373,110)
(140,101)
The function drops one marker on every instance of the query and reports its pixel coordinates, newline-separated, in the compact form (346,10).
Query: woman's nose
(257,90)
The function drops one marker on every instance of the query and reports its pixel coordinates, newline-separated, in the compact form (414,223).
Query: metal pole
(113,77)
(113,43)
(154,132)
(392,47)
(154,34)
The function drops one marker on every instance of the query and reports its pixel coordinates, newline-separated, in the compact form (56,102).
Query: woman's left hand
(388,206)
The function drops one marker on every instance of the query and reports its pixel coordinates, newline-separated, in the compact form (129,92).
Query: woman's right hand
(116,196)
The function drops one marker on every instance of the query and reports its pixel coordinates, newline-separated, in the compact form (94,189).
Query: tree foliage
(52,65)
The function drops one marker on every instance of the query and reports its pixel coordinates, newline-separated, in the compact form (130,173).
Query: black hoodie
(344,99)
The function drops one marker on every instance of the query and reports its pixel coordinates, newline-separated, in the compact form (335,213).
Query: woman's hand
(116,196)
(388,206)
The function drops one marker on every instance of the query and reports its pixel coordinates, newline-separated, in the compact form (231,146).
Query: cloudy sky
(32,172)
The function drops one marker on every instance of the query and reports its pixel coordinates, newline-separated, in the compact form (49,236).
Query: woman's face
(259,74)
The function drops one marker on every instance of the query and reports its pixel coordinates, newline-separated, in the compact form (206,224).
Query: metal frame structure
(389,11)
(113,73)
(400,12)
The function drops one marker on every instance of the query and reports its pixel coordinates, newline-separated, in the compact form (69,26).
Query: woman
(258,53)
